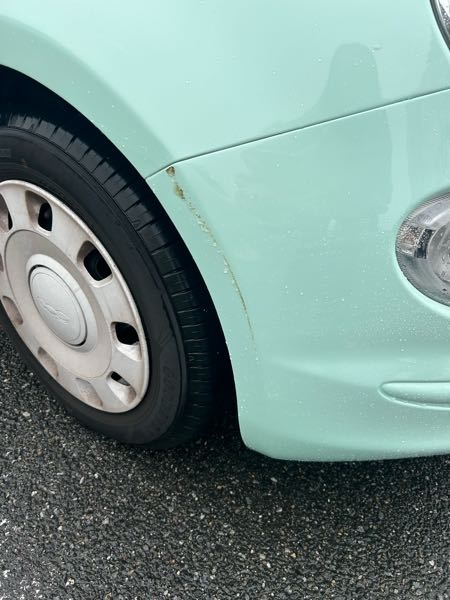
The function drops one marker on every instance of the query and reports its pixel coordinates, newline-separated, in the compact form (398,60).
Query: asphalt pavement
(85,517)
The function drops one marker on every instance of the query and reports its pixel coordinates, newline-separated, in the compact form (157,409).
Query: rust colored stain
(177,187)
(179,191)
(204,227)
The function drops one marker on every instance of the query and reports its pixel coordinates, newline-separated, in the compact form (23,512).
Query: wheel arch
(45,61)
(15,85)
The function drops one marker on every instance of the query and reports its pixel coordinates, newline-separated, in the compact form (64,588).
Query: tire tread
(198,324)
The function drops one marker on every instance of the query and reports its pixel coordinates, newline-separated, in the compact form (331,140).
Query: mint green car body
(287,141)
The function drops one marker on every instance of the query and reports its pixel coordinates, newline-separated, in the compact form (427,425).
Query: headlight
(423,249)
(442,10)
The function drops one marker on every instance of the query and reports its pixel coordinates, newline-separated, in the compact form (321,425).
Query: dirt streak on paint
(205,228)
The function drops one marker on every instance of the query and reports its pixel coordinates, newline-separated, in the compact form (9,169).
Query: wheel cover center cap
(58,305)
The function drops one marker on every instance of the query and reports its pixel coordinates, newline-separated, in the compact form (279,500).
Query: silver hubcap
(68,301)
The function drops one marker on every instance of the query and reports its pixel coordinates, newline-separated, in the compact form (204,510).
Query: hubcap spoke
(110,401)
(68,380)
(127,366)
(26,332)
(5,287)
(66,234)
(4,235)
(114,301)
(18,205)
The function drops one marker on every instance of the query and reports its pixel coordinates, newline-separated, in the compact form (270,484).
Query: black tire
(60,152)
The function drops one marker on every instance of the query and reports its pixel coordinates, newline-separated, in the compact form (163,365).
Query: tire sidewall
(36,160)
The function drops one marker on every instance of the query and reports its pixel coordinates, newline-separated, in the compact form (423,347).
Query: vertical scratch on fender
(180,193)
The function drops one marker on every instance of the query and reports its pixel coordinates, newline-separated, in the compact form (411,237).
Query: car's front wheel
(97,289)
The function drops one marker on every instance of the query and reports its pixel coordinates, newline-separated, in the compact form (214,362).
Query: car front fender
(171,80)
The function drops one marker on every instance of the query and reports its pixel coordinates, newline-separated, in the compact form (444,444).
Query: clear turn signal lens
(423,249)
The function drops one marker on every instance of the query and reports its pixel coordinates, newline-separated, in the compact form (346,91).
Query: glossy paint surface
(167,80)
(303,227)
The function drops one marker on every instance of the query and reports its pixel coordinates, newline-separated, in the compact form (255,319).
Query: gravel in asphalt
(85,517)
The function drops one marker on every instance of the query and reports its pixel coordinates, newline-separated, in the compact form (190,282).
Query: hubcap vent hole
(126,334)
(5,216)
(116,377)
(121,388)
(12,311)
(45,217)
(88,393)
(48,362)
(95,264)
